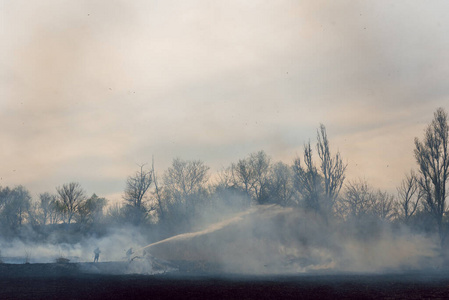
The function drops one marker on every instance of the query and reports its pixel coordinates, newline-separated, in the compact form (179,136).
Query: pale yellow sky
(90,88)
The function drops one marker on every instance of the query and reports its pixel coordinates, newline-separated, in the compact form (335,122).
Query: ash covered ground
(109,281)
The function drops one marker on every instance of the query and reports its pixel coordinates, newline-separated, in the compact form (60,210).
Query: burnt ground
(79,281)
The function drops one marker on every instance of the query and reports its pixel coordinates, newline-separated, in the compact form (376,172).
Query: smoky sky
(88,89)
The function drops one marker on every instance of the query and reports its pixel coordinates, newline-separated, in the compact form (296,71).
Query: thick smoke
(266,239)
(113,247)
(276,240)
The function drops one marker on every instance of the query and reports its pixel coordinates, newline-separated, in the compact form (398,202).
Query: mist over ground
(275,240)
(266,239)
(113,246)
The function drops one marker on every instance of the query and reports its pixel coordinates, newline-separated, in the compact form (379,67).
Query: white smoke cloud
(275,240)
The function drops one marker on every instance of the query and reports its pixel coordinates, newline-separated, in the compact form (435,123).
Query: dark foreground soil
(72,281)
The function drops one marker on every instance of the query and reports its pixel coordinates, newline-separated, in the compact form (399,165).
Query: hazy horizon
(90,89)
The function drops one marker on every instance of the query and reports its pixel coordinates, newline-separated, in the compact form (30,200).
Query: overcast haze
(90,88)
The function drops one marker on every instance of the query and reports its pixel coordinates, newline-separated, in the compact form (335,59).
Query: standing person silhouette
(97,254)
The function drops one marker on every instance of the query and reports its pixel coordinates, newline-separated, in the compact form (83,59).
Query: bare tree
(307,180)
(91,210)
(185,178)
(4,192)
(16,204)
(251,175)
(46,207)
(136,194)
(225,178)
(22,199)
(228,195)
(157,192)
(383,205)
(260,165)
(115,213)
(409,196)
(332,168)
(319,190)
(56,212)
(358,200)
(242,175)
(71,195)
(14,209)
(280,184)
(184,192)
(433,160)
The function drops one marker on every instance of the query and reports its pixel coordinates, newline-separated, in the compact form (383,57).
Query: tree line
(315,181)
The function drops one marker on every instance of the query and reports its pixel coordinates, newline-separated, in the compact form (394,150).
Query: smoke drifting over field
(261,240)
(272,239)
(113,248)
